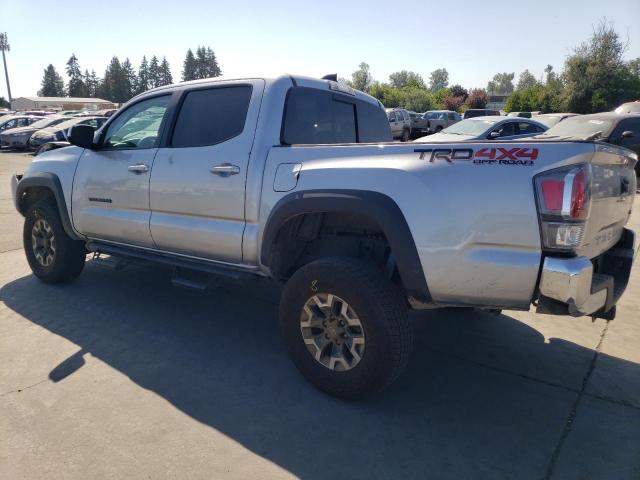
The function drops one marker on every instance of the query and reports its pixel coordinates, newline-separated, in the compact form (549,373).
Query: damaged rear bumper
(581,286)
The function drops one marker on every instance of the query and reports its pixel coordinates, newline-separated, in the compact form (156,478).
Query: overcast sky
(471,39)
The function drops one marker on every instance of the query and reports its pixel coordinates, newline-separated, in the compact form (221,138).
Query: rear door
(197,190)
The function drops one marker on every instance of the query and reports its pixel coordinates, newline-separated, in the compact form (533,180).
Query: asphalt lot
(121,375)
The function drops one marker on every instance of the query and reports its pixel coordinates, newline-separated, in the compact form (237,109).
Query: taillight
(564,199)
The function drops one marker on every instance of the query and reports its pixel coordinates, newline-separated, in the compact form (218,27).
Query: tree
(92,83)
(189,67)
(416,99)
(477,98)
(129,78)
(439,96)
(597,77)
(453,102)
(459,91)
(76,86)
(361,79)
(164,74)
(52,84)
(115,86)
(213,69)
(4,103)
(154,72)
(405,78)
(438,79)
(526,80)
(502,84)
(142,85)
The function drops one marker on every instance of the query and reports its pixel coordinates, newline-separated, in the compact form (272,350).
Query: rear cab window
(313,116)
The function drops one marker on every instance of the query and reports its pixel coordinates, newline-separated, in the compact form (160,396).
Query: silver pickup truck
(296,180)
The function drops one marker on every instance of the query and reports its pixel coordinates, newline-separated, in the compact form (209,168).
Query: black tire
(406,135)
(66,261)
(381,310)
(438,128)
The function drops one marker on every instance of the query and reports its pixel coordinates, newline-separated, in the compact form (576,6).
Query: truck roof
(297,80)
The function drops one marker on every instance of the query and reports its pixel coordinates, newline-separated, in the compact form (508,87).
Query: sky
(473,40)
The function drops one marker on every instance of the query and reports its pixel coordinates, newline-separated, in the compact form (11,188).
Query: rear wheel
(345,326)
(438,128)
(53,256)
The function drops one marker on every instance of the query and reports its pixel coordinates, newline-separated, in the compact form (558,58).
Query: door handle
(225,170)
(138,168)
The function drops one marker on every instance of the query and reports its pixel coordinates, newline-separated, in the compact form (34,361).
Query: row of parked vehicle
(42,131)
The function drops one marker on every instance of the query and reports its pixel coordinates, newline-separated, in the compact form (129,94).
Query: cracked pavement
(122,375)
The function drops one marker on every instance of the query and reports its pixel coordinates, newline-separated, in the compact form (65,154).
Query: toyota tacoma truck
(297,180)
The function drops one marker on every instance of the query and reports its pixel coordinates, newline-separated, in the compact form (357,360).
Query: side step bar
(178,262)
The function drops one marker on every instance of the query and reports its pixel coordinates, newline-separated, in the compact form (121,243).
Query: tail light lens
(564,200)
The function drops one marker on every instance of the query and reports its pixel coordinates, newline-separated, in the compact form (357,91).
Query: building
(60,103)
(497,101)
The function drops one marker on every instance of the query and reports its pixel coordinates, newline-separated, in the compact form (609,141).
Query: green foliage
(164,73)
(4,103)
(438,79)
(459,91)
(361,79)
(439,96)
(142,84)
(406,79)
(526,80)
(52,84)
(502,83)
(597,77)
(189,67)
(409,97)
(154,72)
(76,86)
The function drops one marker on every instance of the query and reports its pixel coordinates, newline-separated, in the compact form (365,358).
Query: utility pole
(4,46)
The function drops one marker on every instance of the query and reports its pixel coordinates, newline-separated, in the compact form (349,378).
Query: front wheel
(406,135)
(53,256)
(345,326)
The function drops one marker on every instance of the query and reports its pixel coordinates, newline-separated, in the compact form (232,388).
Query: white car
(487,128)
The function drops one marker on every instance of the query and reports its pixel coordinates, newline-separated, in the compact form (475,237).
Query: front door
(110,198)
(198,180)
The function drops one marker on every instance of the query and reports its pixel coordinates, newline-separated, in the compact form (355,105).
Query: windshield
(472,126)
(47,122)
(580,127)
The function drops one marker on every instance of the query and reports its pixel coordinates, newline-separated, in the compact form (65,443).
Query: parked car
(4,111)
(551,119)
(487,128)
(400,123)
(419,125)
(19,137)
(69,113)
(13,121)
(37,113)
(479,112)
(438,120)
(621,129)
(629,107)
(259,191)
(60,131)
(519,114)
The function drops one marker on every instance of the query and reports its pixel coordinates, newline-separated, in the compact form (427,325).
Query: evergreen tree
(201,63)
(189,67)
(129,76)
(154,72)
(213,69)
(92,83)
(114,84)
(76,86)
(52,83)
(142,85)
(164,74)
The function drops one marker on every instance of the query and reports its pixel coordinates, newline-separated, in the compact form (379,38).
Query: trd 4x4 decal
(484,156)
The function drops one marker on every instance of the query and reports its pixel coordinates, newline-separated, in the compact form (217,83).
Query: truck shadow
(466,407)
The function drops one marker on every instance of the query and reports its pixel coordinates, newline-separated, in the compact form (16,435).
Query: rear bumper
(581,286)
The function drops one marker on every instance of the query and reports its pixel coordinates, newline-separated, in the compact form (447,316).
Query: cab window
(138,127)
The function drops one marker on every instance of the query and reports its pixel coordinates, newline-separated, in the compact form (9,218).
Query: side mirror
(627,134)
(494,134)
(82,136)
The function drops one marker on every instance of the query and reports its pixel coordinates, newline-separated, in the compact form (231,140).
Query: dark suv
(479,112)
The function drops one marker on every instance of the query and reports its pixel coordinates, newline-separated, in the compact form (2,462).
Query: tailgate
(613,186)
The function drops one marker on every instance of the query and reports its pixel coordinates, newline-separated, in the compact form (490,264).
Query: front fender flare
(376,206)
(51,182)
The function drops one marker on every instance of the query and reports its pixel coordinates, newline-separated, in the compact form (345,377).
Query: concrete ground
(121,375)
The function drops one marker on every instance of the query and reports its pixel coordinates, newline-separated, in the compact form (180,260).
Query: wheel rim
(43,242)
(332,332)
